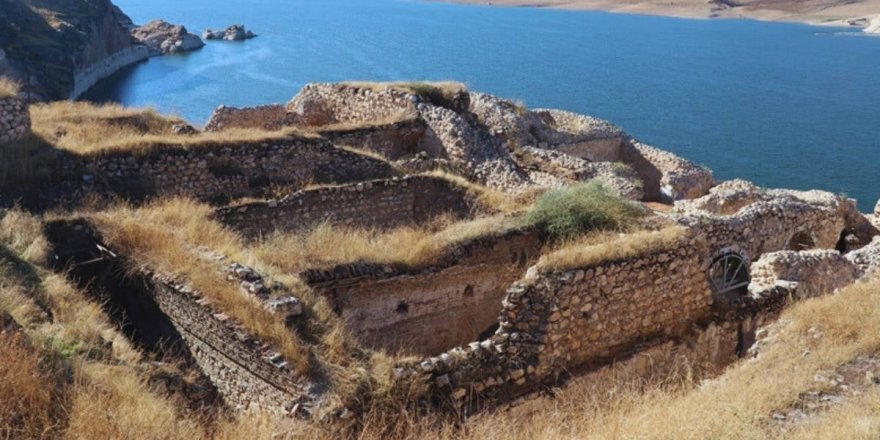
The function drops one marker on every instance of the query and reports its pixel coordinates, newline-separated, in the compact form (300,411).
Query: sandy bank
(812,12)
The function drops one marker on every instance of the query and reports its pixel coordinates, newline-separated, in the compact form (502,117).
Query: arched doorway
(729,273)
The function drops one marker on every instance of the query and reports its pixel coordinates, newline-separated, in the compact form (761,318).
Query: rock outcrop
(61,49)
(164,38)
(15,121)
(235,32)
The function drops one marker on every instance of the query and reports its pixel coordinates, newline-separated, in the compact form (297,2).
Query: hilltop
(415,260)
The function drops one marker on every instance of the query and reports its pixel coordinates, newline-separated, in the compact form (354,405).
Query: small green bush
(584,207)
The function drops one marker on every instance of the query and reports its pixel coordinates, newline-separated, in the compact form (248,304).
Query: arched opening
(800,241)
(729,274)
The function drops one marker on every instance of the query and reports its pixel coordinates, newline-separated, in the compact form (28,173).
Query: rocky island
(235,32)
(164,38)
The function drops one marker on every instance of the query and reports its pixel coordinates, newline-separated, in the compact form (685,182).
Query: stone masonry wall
(805,274)
(393,141)
(323,104)
(380,204)
(429,311)
(558,321)
(765,226)
(264,117)
(216,171)
(15,120)
(246,372)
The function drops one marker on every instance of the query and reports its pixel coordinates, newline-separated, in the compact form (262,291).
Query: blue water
(783,105)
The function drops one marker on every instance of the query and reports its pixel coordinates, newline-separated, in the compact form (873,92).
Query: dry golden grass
(27,406)
(406,246)
(86,128)
(114,403)
(585,251)
(8,87)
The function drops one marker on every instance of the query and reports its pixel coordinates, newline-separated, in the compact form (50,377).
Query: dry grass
(158,235)
(27,406)
(8,88)
(405,246)
(114,403)
(86,128)
(492,198)
(585,252)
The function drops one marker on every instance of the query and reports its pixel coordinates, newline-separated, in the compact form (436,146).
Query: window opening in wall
(729,273)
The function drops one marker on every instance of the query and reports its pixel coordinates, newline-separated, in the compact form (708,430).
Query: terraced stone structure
(496,315)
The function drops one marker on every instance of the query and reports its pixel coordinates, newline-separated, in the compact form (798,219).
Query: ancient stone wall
(766,226)
(805,274)
(376,204)
(15,120)
(217,171)
(246,372)
(393,141)
(264,117)
(323,104)
(428,311)
(558,321)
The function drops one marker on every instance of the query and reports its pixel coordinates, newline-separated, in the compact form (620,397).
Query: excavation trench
(173,324)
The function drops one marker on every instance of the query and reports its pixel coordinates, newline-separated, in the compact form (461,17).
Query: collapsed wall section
(379,204)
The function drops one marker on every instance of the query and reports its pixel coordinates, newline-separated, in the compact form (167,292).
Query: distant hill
(59,48)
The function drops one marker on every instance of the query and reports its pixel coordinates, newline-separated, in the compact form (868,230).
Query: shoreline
(861,17)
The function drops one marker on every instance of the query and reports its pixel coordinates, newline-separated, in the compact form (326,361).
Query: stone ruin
(15,120)
(488,321)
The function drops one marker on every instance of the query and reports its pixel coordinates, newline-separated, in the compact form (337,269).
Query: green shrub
(584,207)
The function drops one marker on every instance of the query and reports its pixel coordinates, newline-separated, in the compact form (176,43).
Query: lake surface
(783,105)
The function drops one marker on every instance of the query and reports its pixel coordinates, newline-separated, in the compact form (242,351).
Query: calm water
(781,104)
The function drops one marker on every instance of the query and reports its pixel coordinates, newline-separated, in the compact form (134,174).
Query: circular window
(729,273)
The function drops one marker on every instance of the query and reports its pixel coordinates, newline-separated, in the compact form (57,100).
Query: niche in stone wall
(800,241)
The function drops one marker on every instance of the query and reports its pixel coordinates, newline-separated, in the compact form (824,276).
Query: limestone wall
(15,120)
(428,311)
(246,372)
(805,274)
(378,204)
(264,117)
(766,226)
(560,321)
(322,104)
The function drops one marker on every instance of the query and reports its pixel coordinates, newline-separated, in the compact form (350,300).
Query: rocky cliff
(60,48)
